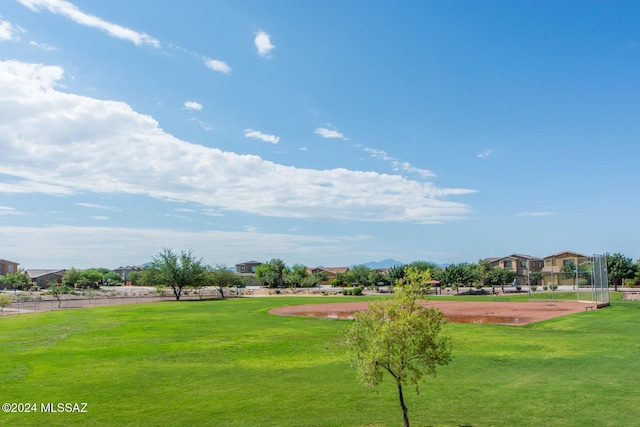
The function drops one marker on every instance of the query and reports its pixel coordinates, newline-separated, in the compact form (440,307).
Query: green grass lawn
(229,363)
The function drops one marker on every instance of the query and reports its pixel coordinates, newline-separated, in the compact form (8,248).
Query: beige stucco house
(553,266)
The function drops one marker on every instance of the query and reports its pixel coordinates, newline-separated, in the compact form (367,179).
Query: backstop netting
(593,282)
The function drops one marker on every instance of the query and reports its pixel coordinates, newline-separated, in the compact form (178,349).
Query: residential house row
(521,265)
(550,266)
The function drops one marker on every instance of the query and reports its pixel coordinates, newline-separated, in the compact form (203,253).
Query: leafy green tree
(135,277)
(17,279)
(56,290)
(376,277)
(359,274)
(535,277)
(456,275)
(221,277)
(423,265)
(72,277)
(314,279)
(111,278)
(296,275)
(342,279)
(483,271)
(399,336)
(177,272)
(568,271)
(91,277)
(500,277)
(272,273)
(619,267)
(396,273)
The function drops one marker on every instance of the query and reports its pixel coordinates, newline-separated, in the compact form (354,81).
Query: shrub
(533,288)
(545,287)
(583,283)
(553,286)
(356,291)
(518,288)
(335,283)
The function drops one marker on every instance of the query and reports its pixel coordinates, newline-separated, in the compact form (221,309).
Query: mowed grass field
(230,363)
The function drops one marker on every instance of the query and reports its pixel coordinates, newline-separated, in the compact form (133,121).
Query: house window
(567,261)
(507,264)
(252,269)
(242,269)
(523,263)
(10,268)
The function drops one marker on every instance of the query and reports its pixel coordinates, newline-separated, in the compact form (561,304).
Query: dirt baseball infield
(506,313)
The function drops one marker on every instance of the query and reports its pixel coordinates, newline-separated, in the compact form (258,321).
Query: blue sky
(320,132)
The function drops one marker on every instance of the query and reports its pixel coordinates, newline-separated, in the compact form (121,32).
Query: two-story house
(552,271)
(521,265)
(8,267)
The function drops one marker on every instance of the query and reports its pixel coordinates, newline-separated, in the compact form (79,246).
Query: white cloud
(216,65)
(540,213)
(250,133)
(43,46)
(192,105)
(100,217)
(69,10)
(328,133)
(94,206)
(397,165)
(204,125)
(35,187)
(74,137)
(485,154)
(6,31)
(114,246)
(7,210)
(263,44)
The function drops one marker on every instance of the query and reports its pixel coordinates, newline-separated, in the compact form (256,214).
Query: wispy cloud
(204,125)
(398,165)
(192,105)
(94,206)
(540,213)
(100,217)
(69,10)
(485,154)
(115,246)
(250,133)
(6,31)
(329,133)
(45,125)
(43,46)
(216,65)
(6,210)
(263,44)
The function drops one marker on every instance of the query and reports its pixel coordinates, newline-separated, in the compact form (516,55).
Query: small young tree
(56,290)
(221,277)
(5,301)
(400,336)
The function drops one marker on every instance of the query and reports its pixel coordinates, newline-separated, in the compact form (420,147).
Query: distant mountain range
(385,263)
(388,263)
